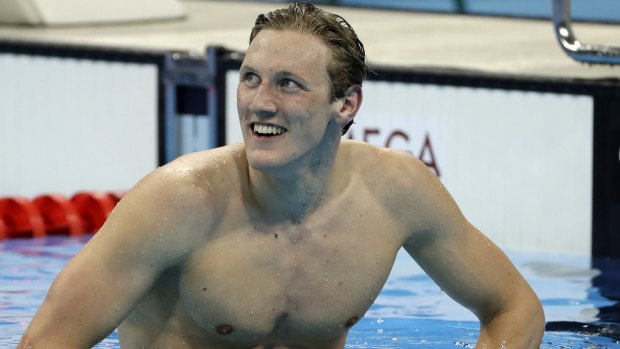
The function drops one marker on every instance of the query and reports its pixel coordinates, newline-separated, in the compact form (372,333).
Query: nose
(263,102)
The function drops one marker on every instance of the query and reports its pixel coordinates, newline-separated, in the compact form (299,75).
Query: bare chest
(300,280)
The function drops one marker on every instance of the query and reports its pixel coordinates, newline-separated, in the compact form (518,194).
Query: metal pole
(587,53)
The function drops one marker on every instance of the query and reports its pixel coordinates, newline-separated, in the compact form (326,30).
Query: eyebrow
(287,74)
(246,68)
(278,74)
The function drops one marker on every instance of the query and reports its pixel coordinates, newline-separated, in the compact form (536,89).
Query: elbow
(538,321)
(532,315)
(532,318)
(519,323)
(529,313)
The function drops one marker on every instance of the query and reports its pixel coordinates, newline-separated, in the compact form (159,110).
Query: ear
(349,105)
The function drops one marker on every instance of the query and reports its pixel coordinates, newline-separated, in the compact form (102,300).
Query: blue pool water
(580,297)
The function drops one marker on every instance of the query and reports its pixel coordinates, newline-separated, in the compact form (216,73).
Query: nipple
(224,329)
(352,321)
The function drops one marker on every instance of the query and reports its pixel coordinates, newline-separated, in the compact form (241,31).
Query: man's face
(284,98)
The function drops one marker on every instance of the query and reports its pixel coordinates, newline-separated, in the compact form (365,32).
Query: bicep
(88,299)
(468,267)
(456,255)
(104,281)
(94,292)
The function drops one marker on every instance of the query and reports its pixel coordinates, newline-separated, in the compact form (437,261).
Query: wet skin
(281,242)
(267,275)
(257,280)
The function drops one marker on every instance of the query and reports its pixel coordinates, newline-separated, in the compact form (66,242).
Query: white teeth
(268,129)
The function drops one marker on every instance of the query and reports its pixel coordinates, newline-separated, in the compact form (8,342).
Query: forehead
(299,53)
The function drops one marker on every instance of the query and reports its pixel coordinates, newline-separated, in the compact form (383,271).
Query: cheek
(310,109)
(242,101)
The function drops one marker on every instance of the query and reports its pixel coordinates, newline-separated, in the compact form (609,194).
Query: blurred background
(582,10)
(514,104)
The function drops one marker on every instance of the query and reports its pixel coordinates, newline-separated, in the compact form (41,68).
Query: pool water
(580,297)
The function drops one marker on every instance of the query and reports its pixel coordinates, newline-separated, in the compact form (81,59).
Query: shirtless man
(283,241)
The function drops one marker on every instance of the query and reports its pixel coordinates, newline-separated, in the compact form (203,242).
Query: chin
(264,160)
(270,161)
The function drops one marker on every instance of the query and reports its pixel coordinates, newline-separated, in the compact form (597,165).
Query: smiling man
(283,241)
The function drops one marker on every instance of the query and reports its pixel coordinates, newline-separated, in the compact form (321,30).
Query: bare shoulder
(180,199)
(403,183)
(205,172)
(157,225)
(388,168)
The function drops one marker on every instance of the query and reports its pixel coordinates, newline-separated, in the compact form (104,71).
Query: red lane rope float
(60,215)
(116,196)
(20,218)
(54,214)
(94,208)
(3,229)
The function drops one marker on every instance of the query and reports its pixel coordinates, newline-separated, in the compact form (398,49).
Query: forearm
(36,342)
(60,323)
(521,328)
(51,337)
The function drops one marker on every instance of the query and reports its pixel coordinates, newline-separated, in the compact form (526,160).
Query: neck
(296,190)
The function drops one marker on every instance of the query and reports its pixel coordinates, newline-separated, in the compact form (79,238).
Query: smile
(267,130)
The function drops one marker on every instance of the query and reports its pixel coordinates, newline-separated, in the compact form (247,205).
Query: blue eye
(289,85)
(250,79)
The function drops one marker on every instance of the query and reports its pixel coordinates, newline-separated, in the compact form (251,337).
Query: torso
(256,283)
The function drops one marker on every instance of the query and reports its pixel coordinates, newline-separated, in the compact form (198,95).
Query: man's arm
(475,273)
(471,269)
(103,282)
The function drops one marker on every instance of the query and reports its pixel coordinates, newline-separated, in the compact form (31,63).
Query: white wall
(68,125)
(519,164)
